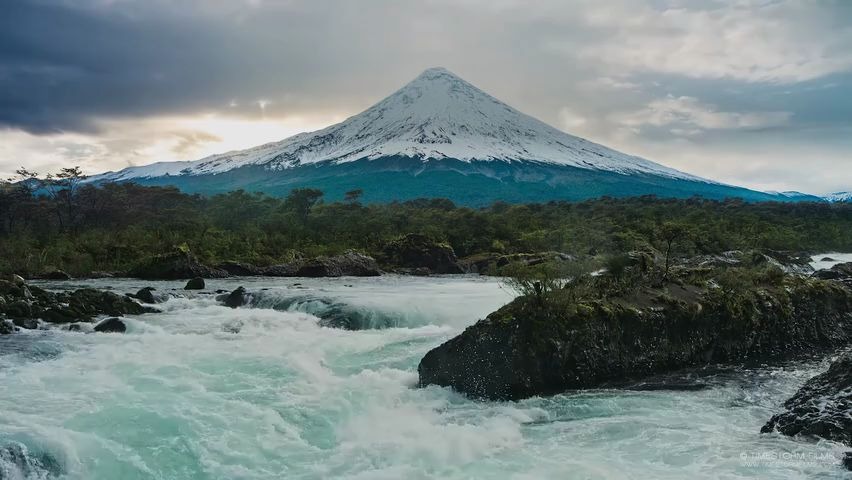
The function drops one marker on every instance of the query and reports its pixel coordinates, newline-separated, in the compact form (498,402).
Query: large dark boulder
(349,264)
(419,251)
(177,265)
(821,408)
(530,347)
(111,325)
(237,298)
(196,283)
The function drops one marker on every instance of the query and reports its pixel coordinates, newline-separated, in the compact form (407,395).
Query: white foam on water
(182,396)
(828,260)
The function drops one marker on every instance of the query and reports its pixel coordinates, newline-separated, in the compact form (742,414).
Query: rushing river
(201,391)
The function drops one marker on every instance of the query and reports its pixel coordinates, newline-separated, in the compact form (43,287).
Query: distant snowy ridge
(436,116)
(839,197)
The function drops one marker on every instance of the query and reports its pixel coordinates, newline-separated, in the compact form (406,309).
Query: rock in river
(146,295)
(821,408)
(237,298)
(530,347)
(111,325)
(196,283)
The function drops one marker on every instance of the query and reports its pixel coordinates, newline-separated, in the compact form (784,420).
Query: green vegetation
(59,222)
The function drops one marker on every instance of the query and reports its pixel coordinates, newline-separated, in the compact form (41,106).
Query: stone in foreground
(111,325)
(821,408)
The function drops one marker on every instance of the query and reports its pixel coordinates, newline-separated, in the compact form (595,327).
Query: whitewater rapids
(202,391)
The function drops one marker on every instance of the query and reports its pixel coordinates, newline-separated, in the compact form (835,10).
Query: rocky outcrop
(196,283)
(821,407)
(491,263)
(26,304)
(531,347)
(415,251)
(239,269)
(178,265)
(349,264)
(111,325)
(841,272)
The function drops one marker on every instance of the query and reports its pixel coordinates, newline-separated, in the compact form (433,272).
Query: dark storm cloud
(65,64)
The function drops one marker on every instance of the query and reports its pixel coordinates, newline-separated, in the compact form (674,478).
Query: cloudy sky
(751,92)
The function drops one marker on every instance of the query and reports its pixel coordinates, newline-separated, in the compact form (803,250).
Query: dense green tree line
(59,222)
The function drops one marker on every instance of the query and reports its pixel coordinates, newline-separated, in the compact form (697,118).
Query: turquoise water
(182,396)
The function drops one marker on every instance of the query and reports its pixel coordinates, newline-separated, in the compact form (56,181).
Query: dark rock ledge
(822,408)
(706,316)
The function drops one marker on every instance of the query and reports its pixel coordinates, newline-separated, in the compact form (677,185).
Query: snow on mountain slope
(436,116)
(839,197)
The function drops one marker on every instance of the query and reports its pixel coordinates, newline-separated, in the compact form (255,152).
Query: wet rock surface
(111,325)
(196,283)
(238,298)
(821,408)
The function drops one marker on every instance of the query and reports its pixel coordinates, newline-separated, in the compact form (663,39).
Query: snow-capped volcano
(436,137)
(435,116)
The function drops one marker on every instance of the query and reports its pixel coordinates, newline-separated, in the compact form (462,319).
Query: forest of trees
(61,222)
